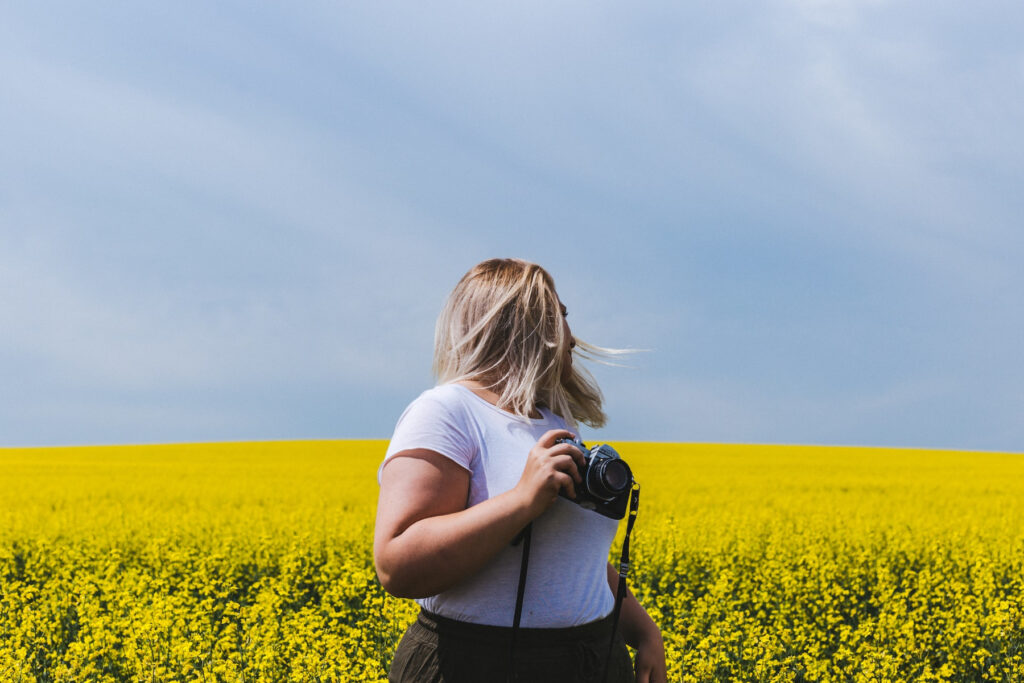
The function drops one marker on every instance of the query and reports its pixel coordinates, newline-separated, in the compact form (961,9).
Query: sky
(225,221)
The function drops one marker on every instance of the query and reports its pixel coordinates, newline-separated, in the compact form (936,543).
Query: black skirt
(435,649)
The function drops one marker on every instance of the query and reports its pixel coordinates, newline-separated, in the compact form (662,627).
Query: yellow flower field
(252,562)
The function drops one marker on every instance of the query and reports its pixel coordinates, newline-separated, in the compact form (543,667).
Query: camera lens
(609,478)
(616,476)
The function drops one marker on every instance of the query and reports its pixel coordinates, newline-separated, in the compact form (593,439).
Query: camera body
(607,480)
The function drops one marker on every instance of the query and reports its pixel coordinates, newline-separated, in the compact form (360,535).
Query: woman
(475,460)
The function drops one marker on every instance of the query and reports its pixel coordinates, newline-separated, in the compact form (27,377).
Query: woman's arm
(640,631)
(426,540)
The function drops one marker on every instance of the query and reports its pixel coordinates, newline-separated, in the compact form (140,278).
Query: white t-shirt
(566,583)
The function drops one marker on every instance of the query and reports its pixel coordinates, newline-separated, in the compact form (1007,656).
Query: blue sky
(235,221)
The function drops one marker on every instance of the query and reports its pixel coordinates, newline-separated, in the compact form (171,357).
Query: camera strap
(620,595)
(524,537)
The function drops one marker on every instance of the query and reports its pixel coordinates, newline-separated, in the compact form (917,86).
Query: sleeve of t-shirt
(434,425)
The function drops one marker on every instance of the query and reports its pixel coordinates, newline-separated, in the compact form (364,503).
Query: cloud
(807,209)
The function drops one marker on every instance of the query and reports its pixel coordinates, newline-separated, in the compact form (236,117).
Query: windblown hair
(502,326)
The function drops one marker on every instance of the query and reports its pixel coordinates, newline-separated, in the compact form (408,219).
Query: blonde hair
(502,326)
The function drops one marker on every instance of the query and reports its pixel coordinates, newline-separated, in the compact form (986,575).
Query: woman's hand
(642,634)
(550,468)
(650,658)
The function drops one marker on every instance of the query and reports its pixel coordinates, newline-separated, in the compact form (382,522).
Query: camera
(607,480)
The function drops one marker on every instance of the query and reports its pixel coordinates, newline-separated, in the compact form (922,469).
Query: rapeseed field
(252,562)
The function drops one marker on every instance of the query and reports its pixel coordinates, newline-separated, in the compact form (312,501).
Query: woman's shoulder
(449,395)
(442,400)
(436,420)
